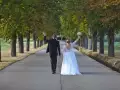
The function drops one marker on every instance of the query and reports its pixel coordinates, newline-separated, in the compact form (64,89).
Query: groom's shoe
(53,72)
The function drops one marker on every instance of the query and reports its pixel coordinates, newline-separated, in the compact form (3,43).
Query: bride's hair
(68,41)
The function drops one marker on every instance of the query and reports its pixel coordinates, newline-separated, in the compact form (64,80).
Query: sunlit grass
(117,46)
(117,49)
(5,46)
(7,59)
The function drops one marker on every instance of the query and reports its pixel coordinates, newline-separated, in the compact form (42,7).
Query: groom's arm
(58,48)
(47,49)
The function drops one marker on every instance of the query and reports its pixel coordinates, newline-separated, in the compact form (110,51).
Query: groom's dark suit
(53,49)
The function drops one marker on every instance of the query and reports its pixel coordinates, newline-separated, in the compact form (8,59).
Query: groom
(54,49)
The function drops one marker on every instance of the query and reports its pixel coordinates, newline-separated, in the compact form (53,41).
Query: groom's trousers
(53,62)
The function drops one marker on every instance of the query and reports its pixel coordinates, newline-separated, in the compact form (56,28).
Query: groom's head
(54,36)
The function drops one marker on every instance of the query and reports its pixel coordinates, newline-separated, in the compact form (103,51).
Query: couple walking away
(69,64)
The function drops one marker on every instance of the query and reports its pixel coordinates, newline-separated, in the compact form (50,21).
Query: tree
(0,50)
(109,17)
(21,17)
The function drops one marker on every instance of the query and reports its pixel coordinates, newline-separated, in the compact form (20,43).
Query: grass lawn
(5,46)
(117,46)
(117,49)
(7,59)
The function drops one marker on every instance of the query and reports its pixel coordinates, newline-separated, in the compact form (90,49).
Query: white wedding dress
(69,64)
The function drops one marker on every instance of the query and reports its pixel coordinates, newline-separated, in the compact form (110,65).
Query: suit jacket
(53,47)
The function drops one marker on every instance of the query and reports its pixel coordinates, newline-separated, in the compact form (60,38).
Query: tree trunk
(13,45)
(95,41)
(0,50)
(101,49)
(34,39)
(21,44)
(45,39)
(86,42)
(81,42)
(42,42)
(28,42)
(38,43)
(111,52)
(89,43)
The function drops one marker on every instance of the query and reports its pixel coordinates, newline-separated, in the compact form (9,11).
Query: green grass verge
(6,45)
(117,46)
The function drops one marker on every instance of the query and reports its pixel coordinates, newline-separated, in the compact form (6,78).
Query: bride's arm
(74,43)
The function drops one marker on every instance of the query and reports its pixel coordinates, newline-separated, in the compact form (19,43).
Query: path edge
(109,65)
(15,61)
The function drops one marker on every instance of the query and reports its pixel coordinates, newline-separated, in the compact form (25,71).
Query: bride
(69,64)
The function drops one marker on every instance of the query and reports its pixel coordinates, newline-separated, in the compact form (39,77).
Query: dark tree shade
(101,49)
(0,50)
(21,44)
(28,41)
(111,43)
(95,41)
(13,45)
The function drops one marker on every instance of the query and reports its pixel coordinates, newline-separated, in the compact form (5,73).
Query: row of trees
(95,19)
(26,18)
(21,19)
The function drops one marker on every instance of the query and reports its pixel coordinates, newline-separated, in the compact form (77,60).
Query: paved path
(34,73)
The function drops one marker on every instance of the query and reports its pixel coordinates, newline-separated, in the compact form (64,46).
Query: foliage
(21,16)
